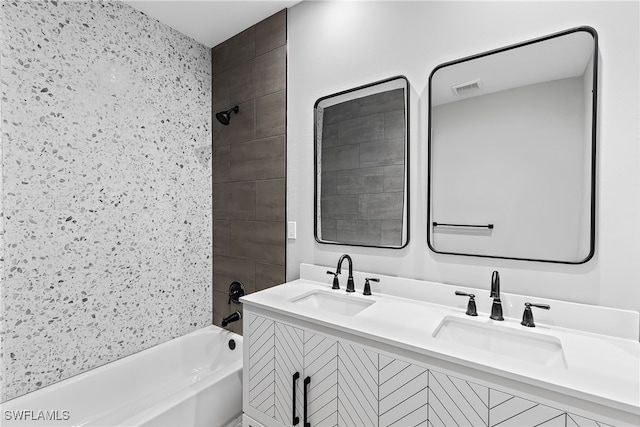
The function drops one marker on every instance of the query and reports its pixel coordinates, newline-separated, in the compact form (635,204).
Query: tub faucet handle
(527,316)
(471,306)
(336,282)
(236,290)
(367,285)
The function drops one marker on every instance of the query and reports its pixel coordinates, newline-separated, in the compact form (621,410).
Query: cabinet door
(357,385)
(288,374)
(321,369)
(402,393)
(508,410)
(454,401)
(574,420)
(261,378)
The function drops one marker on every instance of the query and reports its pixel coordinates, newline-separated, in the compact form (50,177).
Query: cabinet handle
(307,381)
(296,419)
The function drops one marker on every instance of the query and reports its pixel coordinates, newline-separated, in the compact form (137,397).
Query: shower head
(224,116)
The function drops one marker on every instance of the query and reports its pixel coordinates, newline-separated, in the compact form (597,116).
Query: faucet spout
(495,285)
(350,284)
(233,317)
(496,307)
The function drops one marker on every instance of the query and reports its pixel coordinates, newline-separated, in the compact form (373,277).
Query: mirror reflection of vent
(467,87)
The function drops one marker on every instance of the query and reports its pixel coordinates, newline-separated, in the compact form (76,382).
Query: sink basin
(343,304)
(500,340)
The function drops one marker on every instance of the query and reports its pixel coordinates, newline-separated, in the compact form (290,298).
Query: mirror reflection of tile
(363,170)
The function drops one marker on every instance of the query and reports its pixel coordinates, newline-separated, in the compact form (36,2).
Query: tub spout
(233,317)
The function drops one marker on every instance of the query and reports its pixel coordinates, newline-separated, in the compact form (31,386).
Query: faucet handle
(367,285)
(236,291)
(336,282)
(471,306)
(527,316)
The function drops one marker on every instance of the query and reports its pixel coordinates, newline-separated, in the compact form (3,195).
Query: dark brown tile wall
(249,155)
(363,170)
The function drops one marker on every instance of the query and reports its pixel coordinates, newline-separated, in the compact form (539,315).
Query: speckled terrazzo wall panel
(106,142)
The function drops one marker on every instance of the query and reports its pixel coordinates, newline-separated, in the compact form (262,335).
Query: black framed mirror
(512,151)
(361,165)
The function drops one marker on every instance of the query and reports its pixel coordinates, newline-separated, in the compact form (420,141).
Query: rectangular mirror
(361,165)
(512,144)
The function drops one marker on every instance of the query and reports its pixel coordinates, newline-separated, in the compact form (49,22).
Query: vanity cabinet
(274,363)
(454,401)
(349,384)
(346,384)
(293,374)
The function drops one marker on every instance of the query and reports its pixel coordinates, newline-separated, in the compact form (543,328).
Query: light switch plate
(291,230)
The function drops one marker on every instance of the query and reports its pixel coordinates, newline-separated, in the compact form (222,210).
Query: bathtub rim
(150,413)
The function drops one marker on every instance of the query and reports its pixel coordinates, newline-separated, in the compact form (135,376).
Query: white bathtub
(194,380)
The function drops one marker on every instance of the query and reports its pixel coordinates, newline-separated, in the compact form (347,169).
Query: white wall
(336,46)
(486,149)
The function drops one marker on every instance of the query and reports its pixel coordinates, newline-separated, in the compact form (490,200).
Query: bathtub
(194,380)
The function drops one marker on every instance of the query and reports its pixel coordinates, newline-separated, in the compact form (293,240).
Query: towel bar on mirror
(442,224)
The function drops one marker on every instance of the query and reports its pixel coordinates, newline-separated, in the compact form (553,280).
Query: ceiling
(556,58)
(210,21)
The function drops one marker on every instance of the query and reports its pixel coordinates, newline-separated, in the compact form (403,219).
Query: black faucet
(367,285)
(527,316)
(233,317)
(496,307)
(336,282)
(350,285)
(471,305)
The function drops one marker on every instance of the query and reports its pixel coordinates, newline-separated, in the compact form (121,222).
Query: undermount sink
(343,304)
(500,340)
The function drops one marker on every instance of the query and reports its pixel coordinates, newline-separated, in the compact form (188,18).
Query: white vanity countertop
(598,368)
